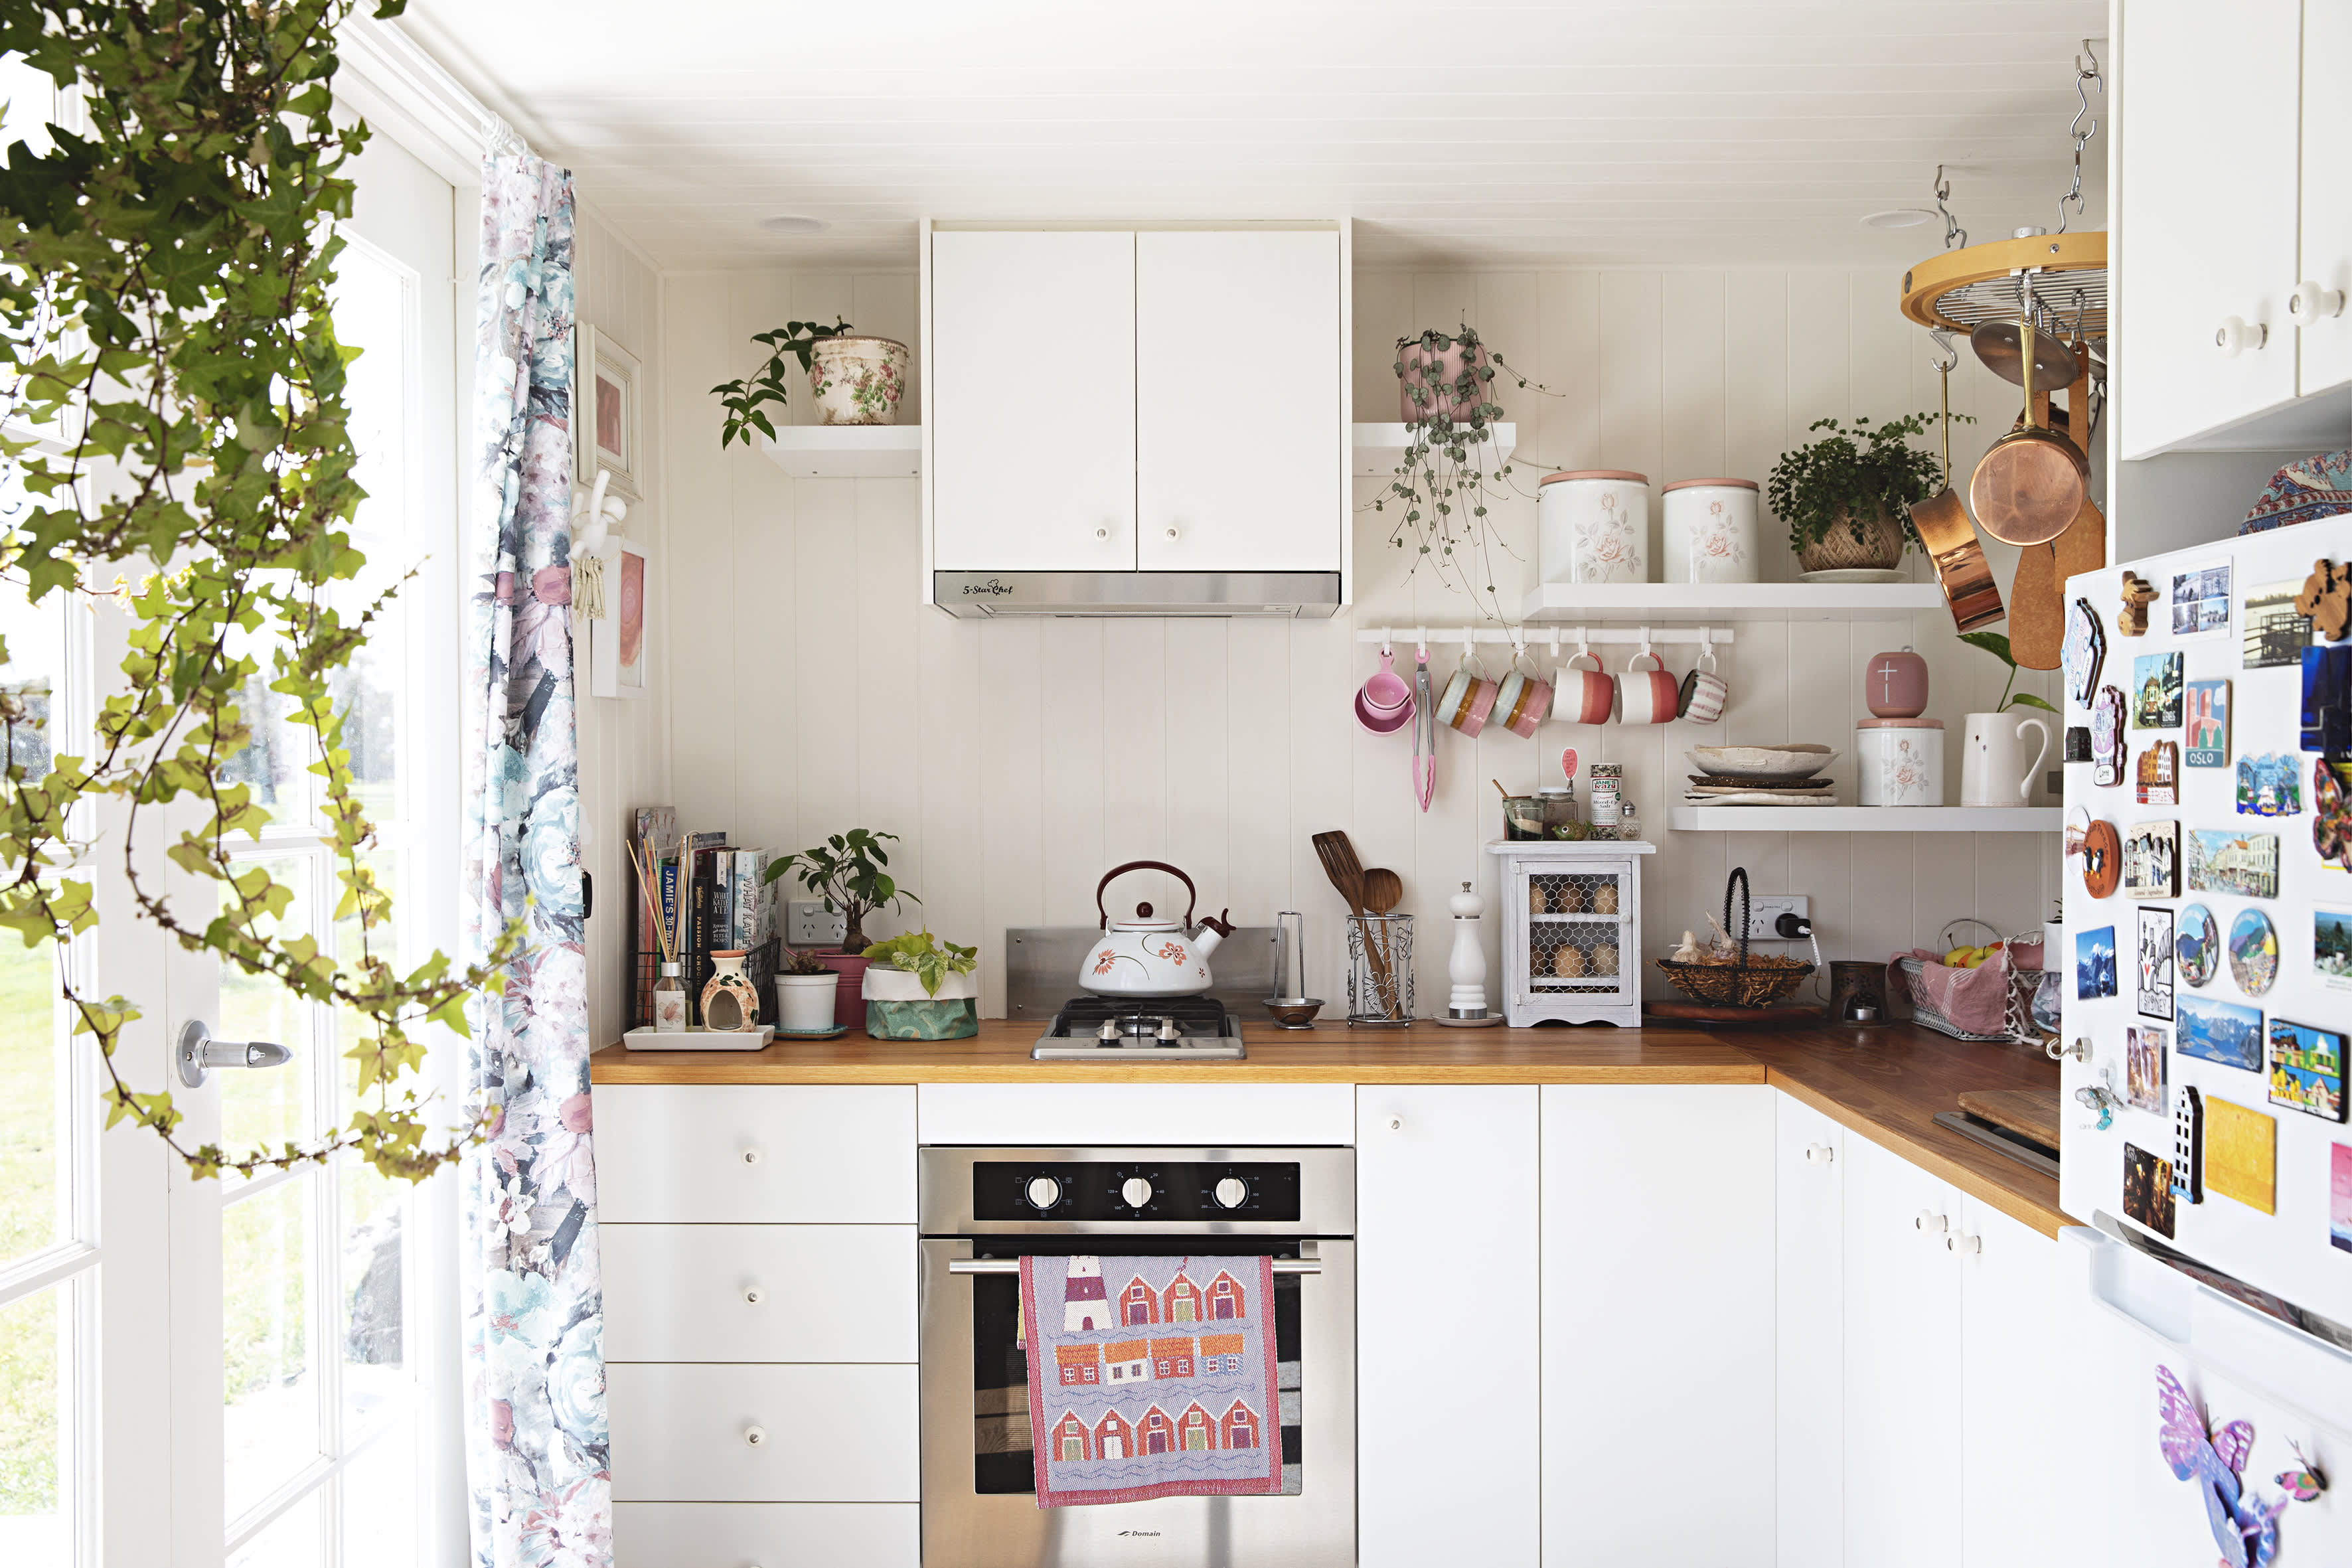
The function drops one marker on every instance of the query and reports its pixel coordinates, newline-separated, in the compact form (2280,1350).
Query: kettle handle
(1191,895)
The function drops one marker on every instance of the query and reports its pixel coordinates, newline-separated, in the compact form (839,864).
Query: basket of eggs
(1724,973)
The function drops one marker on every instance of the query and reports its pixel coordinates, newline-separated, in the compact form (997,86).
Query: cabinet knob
(1102,534)
(2236,335)
(750,1156)
(753,1295)
(1931,1222)
(1965,1243)
(1820,1153)
(1172,533)
(754,1436)
(1396,1123)
(2311,303)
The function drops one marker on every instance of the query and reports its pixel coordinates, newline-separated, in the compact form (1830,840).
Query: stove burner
(1091,1027)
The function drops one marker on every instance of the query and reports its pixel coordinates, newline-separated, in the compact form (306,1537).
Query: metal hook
(1954,235)
(2082,92)
(1951,359)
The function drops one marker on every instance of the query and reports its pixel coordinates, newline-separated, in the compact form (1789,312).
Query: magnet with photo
(2208,723)
(2155,989)
(2308,1070)
(2189,1145)
(2103,860)
(2253,951)
(2201,600)
(2085,649)
(2095,963)
(2147,1190)
(2144,1053)
(2158,772)
(2197,951)
(2220,1032)
(2331,815)
(2269,784)
(2152,860)
(2107,738)
(2241,1155)
(2156,691)
(2327,712)
(2331,947)
(2222,861)
(2276,633)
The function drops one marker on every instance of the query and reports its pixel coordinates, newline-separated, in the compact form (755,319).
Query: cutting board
(2030,1113)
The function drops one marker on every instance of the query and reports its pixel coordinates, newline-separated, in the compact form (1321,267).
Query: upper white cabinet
(1240,449)
(2326,341)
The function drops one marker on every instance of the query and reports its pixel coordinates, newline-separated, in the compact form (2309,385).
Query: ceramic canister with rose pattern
(1594,526)
(1710,530)
(1899,761)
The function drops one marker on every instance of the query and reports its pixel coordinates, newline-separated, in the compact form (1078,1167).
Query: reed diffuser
(669,987)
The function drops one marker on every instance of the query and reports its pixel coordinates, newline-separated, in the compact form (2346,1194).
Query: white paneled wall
(1019,760)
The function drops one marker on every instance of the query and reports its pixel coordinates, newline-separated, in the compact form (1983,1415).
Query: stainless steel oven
(982,1208)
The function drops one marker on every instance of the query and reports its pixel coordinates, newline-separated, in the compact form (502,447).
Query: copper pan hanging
(2030,484)
(1949,539)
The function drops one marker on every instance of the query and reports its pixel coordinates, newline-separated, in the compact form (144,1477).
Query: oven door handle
(1013,1266)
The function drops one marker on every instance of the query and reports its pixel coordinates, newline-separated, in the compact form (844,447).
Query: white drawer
(1104,1115)
(720,1153)
(824,1292)
(827,1434)
(767,1535)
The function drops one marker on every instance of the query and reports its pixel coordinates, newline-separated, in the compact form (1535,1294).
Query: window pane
(380,1502)
(374,1215)
(35,1529)
(266,1106)
(290,1542)
(271,1425)
(33,1212)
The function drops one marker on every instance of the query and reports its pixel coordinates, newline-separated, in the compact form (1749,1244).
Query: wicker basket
(1755,981)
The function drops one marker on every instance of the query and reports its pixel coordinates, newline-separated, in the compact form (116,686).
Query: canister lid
(1595,474)
(1729,484)
(1900,724)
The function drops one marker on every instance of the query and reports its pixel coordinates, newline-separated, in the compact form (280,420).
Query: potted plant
(848,872)
(918,988)
(805,988)
(1991,768)
(854,380)
(1846,498)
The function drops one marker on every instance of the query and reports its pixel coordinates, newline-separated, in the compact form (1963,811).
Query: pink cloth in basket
(1975,999)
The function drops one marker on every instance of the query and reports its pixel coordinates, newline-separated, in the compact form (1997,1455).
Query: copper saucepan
(1950,539)
(2030,485)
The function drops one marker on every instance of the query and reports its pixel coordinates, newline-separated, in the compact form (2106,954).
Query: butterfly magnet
(2244,1527)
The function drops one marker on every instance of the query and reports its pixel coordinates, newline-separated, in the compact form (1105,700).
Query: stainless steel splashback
(1042,963)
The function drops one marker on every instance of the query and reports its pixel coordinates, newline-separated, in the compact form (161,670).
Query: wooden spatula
(2037,598)
(1347,874)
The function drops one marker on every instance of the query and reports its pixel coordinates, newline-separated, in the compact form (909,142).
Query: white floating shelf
(1381,448)
(1574,603)
(1866,818)
(847,451)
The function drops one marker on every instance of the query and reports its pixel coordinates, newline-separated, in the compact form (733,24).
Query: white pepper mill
(1465,1007)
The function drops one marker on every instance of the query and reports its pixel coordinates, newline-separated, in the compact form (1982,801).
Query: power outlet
(1765,908)
(807,925)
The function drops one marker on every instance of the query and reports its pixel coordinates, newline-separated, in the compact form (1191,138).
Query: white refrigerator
(2207,1329)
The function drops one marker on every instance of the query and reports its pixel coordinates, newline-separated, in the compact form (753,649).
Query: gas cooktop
(1128,1029)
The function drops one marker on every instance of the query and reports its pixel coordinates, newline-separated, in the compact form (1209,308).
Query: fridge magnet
(2107,737)
(2331,947)
(2158,771)
(2078,743)
(2243,1526)
(2152,860)
(2200,601)
(2197,951)
(2326,676)
(2085,649)
(2269,785)
(2253,951)
(2187,1145)
(2331,818)
(2208,723)
(2219,1032)
(2095,963)
(2308,1070)
(2241,1155)
(2304,1483)
(2103,860)
(2147,1190)
(2339,1195)
(2155,991)
(2156,691)
(2221,861)
(2274,632)
(2138,594)
(2325,598)
(2144,1053)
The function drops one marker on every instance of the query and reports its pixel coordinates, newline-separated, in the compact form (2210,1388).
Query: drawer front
(762,1434)
(759,1292)
(1106,1115)
(773,1154)
(771,1534)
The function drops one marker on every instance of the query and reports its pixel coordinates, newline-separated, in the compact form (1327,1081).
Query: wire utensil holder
(1380,993)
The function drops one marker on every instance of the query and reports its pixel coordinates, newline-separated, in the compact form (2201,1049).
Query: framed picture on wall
(605,427)
(617,644)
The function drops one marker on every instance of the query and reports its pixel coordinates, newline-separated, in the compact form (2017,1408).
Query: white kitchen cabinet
(767,1534)
(2326,342)
(2011,1377)
(762,1434)
(759,1292)
(1240,437)
(1030,400)
(1447,1332)
(1658,1359)
(1809,1319)
(1902,1410)
(776,1154)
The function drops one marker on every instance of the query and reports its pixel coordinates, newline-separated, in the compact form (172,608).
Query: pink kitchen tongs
(1424,729)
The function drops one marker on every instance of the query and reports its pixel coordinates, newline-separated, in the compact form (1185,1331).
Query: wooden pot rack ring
(1959,291)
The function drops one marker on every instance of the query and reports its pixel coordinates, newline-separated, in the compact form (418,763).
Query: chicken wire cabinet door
(1573,939)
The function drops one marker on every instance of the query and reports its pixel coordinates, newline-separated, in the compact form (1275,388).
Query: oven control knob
(1232,1193)
(1043,1191)
(1136,1191)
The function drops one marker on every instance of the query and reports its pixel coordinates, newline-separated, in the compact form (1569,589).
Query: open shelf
(1378,448)
(1866,818)
(847,451)
(1575,603)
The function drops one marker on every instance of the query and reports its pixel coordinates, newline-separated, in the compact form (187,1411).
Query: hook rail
(1610,634)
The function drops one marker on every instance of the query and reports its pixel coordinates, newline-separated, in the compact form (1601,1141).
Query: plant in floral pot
(849,872)
(1847,497)
(853,380)
(919,988)
(805,989)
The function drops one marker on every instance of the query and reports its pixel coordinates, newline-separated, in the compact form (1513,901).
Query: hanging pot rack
(1960,291)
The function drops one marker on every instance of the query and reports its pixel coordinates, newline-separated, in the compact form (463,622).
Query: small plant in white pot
(805,989)
(919,988)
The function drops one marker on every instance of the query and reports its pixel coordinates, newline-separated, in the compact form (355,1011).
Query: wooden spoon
(1347,874)
(1383,890)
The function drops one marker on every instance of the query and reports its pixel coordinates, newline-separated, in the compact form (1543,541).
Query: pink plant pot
(849,996)
(1435,373)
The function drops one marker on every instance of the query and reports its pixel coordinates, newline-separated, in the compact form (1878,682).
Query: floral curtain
(535,1447)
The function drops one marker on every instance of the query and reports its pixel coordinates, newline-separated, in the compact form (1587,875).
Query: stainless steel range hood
(977,594)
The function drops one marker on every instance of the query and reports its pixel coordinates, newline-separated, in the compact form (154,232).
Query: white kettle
(1147,957)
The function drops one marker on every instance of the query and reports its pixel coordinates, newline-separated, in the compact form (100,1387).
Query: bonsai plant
(921,989)
(849,872)
(1845,497)
(745,400)
(805,989)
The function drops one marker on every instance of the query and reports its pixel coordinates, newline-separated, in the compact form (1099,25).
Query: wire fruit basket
(1754,980)
(2017,1005)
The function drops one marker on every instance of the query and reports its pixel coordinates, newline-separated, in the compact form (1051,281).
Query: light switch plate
(813,922)
(1764,908)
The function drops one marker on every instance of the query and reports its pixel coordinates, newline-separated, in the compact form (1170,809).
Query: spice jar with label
(1608,785)
(1558,809)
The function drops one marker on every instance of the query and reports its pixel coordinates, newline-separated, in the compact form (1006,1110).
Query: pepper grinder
(1466,1007)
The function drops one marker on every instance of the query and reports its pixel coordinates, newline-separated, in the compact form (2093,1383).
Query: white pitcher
(1994,768)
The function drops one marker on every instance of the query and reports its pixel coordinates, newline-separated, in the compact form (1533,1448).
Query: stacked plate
(1761,775)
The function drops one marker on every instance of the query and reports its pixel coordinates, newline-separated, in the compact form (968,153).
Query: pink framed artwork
(619,644)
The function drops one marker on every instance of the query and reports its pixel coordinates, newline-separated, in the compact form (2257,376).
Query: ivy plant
(1997,644)
(928,960)
(850,872)
(745,400)
(1441,488)
(175,413)
(1854,477)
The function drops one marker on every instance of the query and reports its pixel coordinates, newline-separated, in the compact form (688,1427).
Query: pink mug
(1583,696)
(1646,696)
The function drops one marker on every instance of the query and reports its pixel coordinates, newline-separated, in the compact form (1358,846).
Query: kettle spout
(1214,929)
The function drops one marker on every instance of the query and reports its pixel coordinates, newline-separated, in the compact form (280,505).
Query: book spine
(698,967)
(668,886)
(749,894)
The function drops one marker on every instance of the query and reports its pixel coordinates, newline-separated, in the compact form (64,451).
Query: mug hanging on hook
(1469,696)
(1524,698)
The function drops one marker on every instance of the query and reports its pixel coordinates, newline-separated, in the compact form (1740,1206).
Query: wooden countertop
(1886,1083)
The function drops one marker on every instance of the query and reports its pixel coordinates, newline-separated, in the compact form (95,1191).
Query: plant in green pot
(850,872)
(1847,497)
(806,987)
(919,988)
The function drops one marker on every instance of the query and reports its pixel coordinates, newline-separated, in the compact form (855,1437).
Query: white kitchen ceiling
(1473,134)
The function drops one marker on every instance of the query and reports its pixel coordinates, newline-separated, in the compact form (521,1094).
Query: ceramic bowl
(1791,760)
(1387,692)
(1298,1015)
(1377,723)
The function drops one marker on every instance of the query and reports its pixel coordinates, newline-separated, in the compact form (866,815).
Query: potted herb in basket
(919,988)
(849,872)
(1846,498)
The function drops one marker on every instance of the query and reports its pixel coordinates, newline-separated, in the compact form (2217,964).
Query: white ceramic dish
(1793,761)
(700,1039)
(1853,574)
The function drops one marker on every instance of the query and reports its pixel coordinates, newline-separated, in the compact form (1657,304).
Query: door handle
(199,1052)
(1013,1266)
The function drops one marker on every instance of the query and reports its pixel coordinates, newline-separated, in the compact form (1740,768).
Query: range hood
(977,594)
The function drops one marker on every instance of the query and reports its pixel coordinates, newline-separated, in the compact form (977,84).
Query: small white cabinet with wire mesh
(1572,930)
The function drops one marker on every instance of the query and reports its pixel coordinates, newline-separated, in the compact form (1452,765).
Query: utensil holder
(1379,969)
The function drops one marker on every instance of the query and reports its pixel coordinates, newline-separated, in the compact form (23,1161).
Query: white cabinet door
(2326,346)
(2011,1372)
(1448,1430)
(2208,115)
(1902,1364)
(1238,333)
(767,1534)
(1031,401)
(759,1292)
(762,1434)
(1809,1201)
(764,1154)
(1657,1324)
